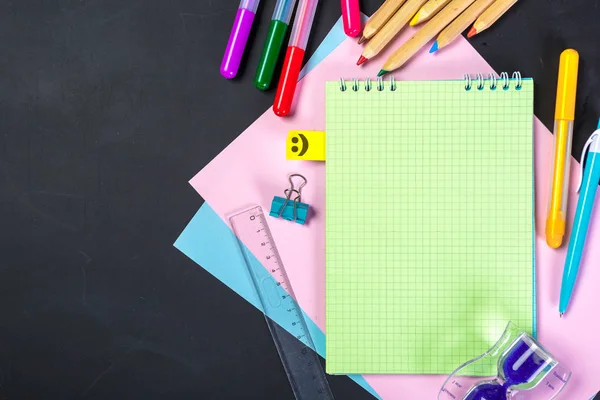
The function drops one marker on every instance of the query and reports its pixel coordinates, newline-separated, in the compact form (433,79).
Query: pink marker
(351,17)
(238,38)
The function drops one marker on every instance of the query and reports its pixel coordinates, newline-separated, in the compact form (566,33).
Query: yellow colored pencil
(491,15)
(424,35)
(428,10)
(390,30)
(378,20)
(461,23)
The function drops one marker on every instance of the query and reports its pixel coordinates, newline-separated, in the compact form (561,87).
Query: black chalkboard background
(107,108)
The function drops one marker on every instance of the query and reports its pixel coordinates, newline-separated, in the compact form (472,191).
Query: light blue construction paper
(334,38)
(209,242)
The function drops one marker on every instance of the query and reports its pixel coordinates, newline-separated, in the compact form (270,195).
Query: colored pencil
(378,20)
(428,10)
(390,30)
(489,16)
(461,23)
(424,35)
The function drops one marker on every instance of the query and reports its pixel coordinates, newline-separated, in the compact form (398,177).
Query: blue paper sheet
(209,242)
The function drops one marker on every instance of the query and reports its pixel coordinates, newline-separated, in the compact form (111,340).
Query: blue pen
(588,184)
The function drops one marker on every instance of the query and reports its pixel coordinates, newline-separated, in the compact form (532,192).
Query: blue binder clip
(288,208)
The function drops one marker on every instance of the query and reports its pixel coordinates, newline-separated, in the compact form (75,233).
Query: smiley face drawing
(295,140)
(305,145)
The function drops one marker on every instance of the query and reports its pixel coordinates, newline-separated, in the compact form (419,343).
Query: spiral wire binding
(505,81)
(493,81)
(504,77)
(343,86)
(479,81)
(517,77)
(380,86)
(467,82)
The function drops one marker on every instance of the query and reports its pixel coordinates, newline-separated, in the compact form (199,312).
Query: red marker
(294,57)
(351,17)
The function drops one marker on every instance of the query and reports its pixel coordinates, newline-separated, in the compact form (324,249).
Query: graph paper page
(429,224)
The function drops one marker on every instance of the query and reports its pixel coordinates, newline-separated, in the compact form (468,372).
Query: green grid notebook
(429,223)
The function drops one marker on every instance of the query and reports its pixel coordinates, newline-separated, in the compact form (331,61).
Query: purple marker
(238,38)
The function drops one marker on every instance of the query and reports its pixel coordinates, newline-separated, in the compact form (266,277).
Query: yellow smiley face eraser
(305,145)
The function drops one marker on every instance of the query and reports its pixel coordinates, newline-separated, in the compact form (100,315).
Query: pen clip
(586,147)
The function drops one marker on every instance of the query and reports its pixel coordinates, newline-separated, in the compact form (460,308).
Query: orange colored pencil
(489,16)
(461,23)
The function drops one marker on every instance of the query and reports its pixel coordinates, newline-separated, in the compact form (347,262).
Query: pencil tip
(472,32)
(362,60)
(382,72)
(561,314)
(434,48)
(361,40)
(415,20)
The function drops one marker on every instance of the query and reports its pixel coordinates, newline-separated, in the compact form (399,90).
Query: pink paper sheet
(253,169)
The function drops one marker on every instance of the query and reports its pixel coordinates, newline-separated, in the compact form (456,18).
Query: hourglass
(525,371)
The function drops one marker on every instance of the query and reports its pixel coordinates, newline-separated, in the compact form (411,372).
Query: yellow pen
(564,115)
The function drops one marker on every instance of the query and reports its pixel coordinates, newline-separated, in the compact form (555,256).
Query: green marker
(275,38)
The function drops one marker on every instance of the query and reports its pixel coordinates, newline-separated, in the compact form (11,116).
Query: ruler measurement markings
(296,366)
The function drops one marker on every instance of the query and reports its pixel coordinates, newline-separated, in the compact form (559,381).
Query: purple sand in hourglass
(521,365)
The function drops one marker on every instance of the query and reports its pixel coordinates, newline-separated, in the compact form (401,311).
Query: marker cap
(566,89)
